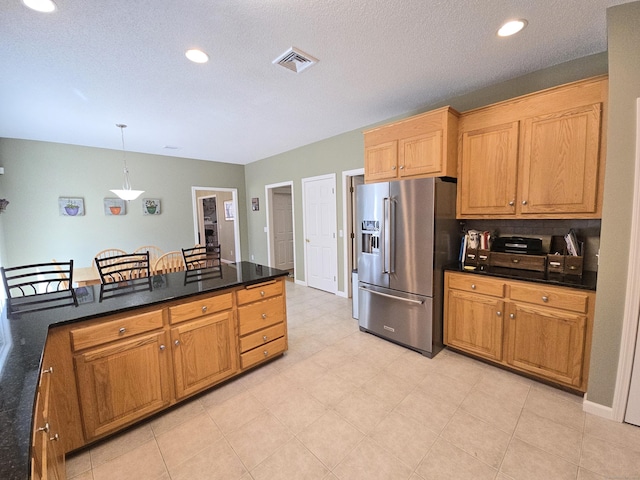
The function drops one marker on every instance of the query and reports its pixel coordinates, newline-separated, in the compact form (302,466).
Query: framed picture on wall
(255,204)
(229,211)
(114,206)
(71,206)
(151,206)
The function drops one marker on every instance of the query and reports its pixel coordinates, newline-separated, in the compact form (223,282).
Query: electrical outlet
(252,257)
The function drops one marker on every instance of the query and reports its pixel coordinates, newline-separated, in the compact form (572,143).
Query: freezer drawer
(403,318)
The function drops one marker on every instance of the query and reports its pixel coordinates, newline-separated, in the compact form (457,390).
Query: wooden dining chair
(154,252)
(39,286)
(124,274)
(169,262)
(109,253)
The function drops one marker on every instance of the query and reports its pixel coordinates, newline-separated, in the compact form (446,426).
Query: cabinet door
(560,162)
(488,171)
(547,342)
(122,382)
(474,323)
(420,155)
(380,161)
(204,352)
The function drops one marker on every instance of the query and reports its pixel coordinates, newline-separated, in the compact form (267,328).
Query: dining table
(85,276)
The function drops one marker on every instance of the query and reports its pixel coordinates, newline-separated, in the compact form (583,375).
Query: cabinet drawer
(253,293)
(476,284)
(261,353)
(200,307)
(111,330)
(260,315)
(551,297)
(261,337)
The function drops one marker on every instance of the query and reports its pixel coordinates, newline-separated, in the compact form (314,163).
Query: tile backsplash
(587,231)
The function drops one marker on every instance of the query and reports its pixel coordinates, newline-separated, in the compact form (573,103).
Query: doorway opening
(215,220)
(281,252)
(350,180)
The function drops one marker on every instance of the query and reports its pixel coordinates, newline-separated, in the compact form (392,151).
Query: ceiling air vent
(295,60)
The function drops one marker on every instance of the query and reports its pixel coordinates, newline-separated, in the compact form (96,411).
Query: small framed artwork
(151,206)
(114,206)
(255,204)
(229,211)
(71,206)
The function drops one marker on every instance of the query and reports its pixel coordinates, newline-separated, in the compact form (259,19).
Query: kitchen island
(54,361)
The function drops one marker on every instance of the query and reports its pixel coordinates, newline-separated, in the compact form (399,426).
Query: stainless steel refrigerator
(407,233)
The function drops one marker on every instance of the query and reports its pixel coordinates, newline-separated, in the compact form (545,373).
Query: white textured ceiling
(70,76)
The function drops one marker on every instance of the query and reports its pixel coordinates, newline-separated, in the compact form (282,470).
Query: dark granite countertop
(22,339)
(586,281)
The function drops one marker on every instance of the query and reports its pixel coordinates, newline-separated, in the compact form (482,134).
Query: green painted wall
(624,89)
(37,173)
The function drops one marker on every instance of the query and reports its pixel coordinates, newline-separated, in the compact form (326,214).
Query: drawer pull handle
(176,343)
(515,260)
(264,315)
(499,313)
(265,338)
(545,299)
(262,293)
(162,347)
(204,309)
(48,370)
(524,202)
(55,438)
(266,353)
(512,203)
(473,286)
(121,330)
(512,315)
(44,429)
(573,267)
(554,264)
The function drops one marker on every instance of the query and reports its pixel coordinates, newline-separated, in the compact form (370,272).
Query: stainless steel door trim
(386,235)
(409,300)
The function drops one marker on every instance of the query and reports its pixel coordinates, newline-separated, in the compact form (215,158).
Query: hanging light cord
(127,183)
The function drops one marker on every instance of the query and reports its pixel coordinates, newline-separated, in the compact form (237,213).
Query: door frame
(629,337)
(268,193)
(304,181)
(348,214)
(236,223)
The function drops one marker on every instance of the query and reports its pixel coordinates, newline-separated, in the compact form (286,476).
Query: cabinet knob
(512,315)
(393,168)
(512,203)
(55,438)
(204,309)
(524,202)
(401,167)
(162,347)
(176,343)
(515,260)
(48,370)
(264,315)
(265,338)
(262,293)
(266,353)
(545,299)
(473,286)
(499,313)
(121,330)
(45,428)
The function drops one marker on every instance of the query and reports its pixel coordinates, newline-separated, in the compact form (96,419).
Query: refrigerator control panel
(370,236)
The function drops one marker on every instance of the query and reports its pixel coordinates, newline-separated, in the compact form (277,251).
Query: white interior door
(283,230)
(321,244)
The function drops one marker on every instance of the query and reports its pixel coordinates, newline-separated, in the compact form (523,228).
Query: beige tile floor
(342,404)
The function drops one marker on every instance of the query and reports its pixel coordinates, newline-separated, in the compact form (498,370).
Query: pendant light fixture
(126,193)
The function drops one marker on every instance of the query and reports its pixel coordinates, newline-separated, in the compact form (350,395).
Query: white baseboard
(597,409)
(300,282)
(342,294)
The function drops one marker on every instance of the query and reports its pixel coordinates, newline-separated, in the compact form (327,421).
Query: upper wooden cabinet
(421,146)
(537,156)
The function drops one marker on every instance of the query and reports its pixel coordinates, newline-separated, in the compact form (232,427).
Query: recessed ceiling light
(511,27)
(45,6)
(197,56)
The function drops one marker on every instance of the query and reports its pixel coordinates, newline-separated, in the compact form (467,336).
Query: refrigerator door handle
(388,234)
(408,300)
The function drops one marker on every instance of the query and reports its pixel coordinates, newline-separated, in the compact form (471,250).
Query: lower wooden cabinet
(122,382)
(539,329)
(204,352)
(47,454)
